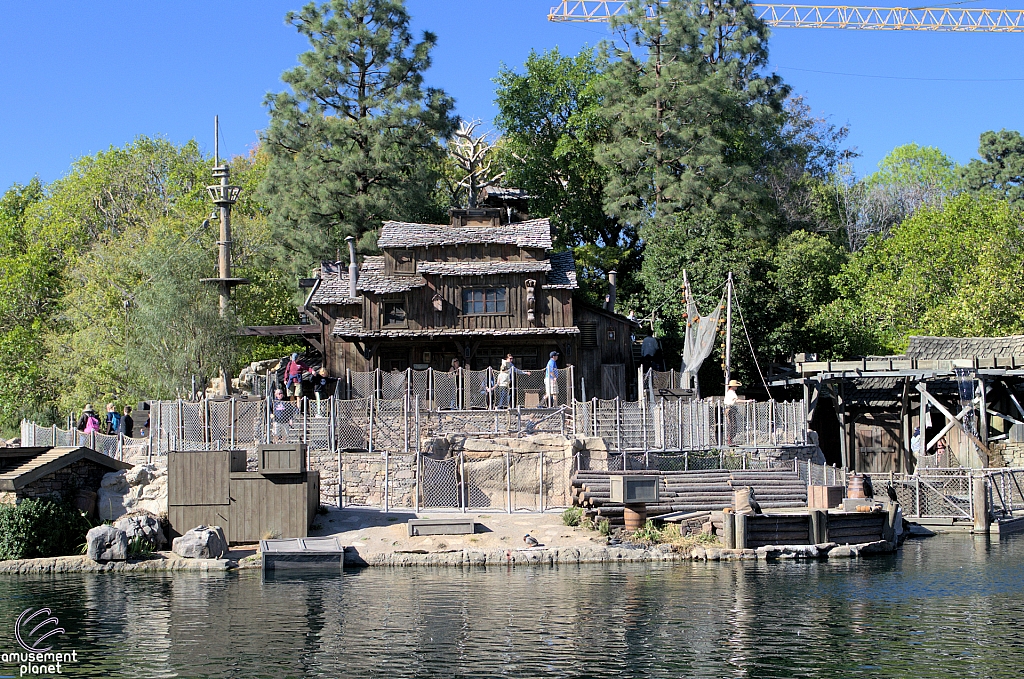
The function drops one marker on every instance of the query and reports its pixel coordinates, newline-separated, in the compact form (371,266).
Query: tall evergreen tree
(690,113)
(356,140)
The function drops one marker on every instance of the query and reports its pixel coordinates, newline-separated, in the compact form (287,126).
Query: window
(395,314)
(405,261)
(484,301)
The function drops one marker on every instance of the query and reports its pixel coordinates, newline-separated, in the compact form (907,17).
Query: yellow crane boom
(941,19)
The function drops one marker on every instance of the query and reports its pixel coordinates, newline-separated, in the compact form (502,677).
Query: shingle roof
(372,278)
(52,460)
(949,348)
(344,331)
(481,268)
(563,271)
(535,233)
(345,327)
(333,289)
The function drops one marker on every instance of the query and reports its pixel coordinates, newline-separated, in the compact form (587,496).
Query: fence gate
(439,483)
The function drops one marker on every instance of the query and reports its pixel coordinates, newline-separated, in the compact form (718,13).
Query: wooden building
(963,393)
(474,289)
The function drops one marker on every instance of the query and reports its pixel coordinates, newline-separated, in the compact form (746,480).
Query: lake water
(948,606)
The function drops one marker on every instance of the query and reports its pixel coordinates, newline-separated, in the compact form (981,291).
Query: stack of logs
(690,491)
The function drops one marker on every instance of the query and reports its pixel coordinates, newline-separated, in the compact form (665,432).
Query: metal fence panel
(524,481)
(439,483)
(486,481)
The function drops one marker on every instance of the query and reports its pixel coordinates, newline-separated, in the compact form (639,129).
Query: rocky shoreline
(541,556)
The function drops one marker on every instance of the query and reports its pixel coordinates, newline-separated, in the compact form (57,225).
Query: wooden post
(905,429)
(979,491)
(741,531)
(844,431)
(922,419)
(729,530)
(814,527)
(983,413)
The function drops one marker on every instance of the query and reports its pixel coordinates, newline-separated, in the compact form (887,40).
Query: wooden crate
(282,459)
(825,497)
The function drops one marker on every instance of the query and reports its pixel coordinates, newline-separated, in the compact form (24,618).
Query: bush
(604,527)
(572,516)
(40,528)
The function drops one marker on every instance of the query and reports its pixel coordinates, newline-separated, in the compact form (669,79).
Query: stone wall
(8,498)
(1006,454)
(81,475)
(326,462)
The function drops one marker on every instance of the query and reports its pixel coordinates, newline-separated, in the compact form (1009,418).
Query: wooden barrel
(855,486)
(634,516)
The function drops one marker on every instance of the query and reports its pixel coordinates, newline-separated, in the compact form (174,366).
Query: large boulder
(107,543)
(142,525)
(142,488)
(202,542)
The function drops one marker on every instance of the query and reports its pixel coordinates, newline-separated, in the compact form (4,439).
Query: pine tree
(690,113)
(356,140)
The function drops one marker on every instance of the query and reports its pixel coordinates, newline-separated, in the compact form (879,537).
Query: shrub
(40,528)
(604,527)
(648,533)
(572,516)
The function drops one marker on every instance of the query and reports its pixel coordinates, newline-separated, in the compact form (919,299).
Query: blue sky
(78,77)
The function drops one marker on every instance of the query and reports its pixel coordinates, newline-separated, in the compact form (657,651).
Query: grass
(659,533)
(572,516)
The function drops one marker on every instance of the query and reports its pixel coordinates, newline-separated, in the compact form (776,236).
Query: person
(92,423)
(731,397)
(551,380)
(293,377)
(83,419)
(730,401)
(281,416)
(650,354)
(113,421)
(454,370)
(915,441)
(506,379)
(127,424)
(320,382)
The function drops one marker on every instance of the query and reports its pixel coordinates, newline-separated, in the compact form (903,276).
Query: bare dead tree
(474,156)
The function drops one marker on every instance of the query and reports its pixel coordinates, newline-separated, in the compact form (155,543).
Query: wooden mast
(728,332)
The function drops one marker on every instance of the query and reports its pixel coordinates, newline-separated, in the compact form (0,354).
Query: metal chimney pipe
(353,267)
(609,300)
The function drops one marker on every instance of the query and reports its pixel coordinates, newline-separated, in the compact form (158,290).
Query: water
(944,607)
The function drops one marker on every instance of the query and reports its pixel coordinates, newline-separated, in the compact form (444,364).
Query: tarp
(700,334)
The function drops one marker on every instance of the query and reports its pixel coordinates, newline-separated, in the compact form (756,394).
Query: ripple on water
(945,607)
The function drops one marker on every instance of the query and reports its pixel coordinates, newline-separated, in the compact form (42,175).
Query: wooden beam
(949,416)
(278,330)
(949,425)
(902,463)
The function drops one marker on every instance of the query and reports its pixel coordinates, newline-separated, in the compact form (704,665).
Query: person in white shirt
(730,393)
(730,400)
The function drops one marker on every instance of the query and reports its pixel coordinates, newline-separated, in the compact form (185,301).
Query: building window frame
(388,306)
(405,262)
(484,301)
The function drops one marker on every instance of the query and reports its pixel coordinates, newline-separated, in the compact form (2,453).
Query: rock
(201,542)
(107,543)
(143,525)
(141,488)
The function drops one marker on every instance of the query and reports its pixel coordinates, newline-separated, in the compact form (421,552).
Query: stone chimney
(609,300)
(353,267)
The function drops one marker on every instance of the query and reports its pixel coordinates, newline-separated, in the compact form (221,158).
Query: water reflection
(950,606)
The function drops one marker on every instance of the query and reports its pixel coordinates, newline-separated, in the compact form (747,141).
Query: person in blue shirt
(551,381)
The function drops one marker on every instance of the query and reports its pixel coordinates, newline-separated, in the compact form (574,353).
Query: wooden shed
(213,488)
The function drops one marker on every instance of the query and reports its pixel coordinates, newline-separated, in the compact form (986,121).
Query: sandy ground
(371,531)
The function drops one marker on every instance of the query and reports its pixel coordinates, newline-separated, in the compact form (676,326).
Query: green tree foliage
(356,140)
(956,269)
(550,117)
(99,280)
(175,326)
(1000,171)
(690,113)
(29,290)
